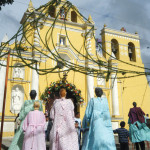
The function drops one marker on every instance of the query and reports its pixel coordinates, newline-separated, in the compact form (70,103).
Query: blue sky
(131,14)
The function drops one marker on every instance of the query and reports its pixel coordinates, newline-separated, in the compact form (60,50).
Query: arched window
(18,71)
(131,51)
(73,16)
(52,11)
(115,48)
(62,13)
(17,98)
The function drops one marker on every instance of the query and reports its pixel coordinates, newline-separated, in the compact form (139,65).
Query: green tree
(3,2)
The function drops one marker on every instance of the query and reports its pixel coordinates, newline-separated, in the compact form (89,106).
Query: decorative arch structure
(63,13)
(131,52)
(67,54)
(115,48)
(52,92)
(18,71)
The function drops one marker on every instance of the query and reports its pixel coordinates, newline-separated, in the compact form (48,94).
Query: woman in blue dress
(17,141)
(97,118)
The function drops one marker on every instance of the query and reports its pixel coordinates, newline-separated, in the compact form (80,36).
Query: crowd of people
(63,129)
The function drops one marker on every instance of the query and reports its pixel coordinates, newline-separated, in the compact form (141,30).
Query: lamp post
(4,100)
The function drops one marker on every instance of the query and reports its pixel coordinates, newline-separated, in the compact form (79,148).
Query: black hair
(122,124)
(76,122)
(134,104)
(98,91)
(33,94)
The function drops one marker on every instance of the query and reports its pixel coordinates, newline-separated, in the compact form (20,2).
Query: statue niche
(18,71)
(17,98)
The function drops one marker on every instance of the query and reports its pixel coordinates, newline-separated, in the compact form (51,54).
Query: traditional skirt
(139,132)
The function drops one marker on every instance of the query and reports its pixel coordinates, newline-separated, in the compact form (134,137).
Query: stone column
(35,75)
(115,103)
(2,82)
(88,43)
(90,79)
(36,35)
(35,80)
(90,87)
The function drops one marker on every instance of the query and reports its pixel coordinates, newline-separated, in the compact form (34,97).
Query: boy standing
(123,136)
(77,118)
(78,126)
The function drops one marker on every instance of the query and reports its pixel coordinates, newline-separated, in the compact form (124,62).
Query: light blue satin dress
(140,133)
(17,141)
(100,135)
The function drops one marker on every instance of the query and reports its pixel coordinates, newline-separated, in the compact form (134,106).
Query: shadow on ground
(4,147)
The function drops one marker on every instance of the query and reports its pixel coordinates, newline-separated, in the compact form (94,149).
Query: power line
(95,12)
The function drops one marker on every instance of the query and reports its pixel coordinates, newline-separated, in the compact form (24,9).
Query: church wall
(14,82)
(135,89)
(77,42)
(123,39)
(129,89)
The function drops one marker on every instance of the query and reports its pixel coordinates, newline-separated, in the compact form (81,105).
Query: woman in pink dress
(34,129)
(63,135)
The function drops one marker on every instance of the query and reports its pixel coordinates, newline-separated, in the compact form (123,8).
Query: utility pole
(4,100)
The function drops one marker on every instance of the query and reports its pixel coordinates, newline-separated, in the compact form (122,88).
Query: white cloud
(131,14)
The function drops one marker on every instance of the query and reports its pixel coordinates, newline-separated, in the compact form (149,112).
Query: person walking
(97,117)
(49,127)
(123,136)
(63,135)
(17,141)
(33,127)
(138,130)
(78,120)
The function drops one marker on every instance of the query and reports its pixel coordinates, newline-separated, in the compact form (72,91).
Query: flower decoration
(55,87)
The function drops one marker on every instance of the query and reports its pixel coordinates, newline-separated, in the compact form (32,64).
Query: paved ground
(6,142)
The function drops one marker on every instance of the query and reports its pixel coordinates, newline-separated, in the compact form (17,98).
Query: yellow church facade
(64,35)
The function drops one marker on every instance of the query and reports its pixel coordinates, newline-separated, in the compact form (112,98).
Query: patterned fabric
(97,117)
(63,135)
(123,135)
(33,127)
(17,141)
